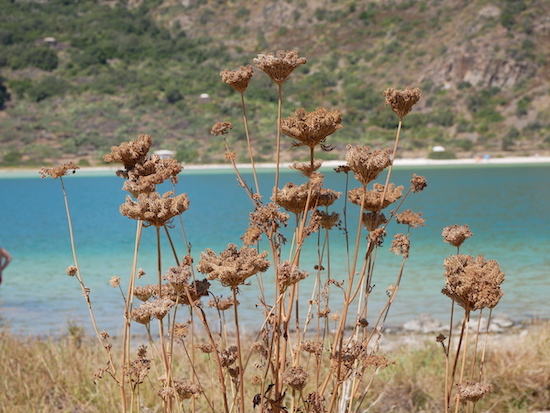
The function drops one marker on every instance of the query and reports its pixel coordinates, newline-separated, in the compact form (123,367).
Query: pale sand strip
(514,160)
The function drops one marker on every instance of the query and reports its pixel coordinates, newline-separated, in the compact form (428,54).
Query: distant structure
(204,98)
(438,148)
(165,153)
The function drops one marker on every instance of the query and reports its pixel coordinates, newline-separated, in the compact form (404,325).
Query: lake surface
(505,206)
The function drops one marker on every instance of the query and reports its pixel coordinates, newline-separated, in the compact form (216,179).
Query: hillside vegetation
(80,76)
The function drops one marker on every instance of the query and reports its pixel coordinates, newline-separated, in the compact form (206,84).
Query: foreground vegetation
(78,77)
(41,375)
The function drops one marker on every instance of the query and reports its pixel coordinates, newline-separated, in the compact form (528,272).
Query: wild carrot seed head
(312,128)
(402,101)
(279,67)
(367,163)
(238,79)
(456,234)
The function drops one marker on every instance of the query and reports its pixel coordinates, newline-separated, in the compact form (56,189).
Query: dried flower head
(473,283)
(329,220)
(412,219)
(153,209)
(371,200)
(187,389)
(312,347)
(230,156)
(252,235)
(232,267)
(115,281)
(179,331)
(238,79)
(288,274)
(279,67)
(376,236)
(58,171)
(307,168)
(144,293)
(141,315)
(472,391)
(401,245)
(375,360)
(312,128)
(295,377)
(367,163)
(373,220)
(206,348)
(146,175)
(223,304)
(316,403)
(178,277)
(130,153)
(402,101)
(72,270)
(138,369)
(221,128)
(140,272)
(418,183)
(456,234)
(293,197)
(229,356)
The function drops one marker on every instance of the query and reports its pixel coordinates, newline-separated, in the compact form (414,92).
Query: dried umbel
(130,153)
(221,128)
(229,356)
(307,168)
(238,79)
(145,176)
(295,377)
(115,281)
(178,277)
(401,245)
(58,171)
(316,403)
(418,183)
(312,128)
(367,163)
(473,283)
(376,361)
(293,197)
(402,101)
(376,236)
(371,200)
(139,368)
(410,218)
(186,388)
(456,234)
(472,391)
(153,209)
(288,274)
(232,267)
(222,304)
(373,220)
(279,67)
(72,270)
(329,220)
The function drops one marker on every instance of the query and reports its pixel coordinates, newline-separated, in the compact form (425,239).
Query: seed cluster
(312,128)
(279,67)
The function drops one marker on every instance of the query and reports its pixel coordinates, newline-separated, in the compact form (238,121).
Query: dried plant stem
(278,145)
(249,145)
(239,351)
(240,179)
(447,355)
(390,168)
(482,361)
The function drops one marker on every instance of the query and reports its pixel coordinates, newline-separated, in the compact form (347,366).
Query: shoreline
(512,160)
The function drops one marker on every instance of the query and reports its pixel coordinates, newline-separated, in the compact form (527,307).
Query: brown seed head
(329,220)
(401,245)
(295,377)
(186,389)
(371,199)
(456,234)
(279,67)
(473,283)
(402,101)
(367,163)
(153,209)
(72,270)
(130,153)
(221,128)
(146,175)
(115,281)
(307,168)
(373,220)
(418,183)
(472,391)
(232,267)
(238,79)
(312,128)
(58,171)
(412,219)
(288,274)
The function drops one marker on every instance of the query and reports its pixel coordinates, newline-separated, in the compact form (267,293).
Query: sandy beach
(512,160)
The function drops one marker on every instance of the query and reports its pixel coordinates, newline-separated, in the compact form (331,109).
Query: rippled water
(505,206)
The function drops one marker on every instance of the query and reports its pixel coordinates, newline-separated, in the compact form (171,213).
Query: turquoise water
(506,207)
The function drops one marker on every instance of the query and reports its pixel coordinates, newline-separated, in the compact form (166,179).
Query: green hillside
(80,76)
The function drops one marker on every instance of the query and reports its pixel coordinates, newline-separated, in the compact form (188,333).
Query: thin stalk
(239,350)
(393,160)
(249,145)
(278,147)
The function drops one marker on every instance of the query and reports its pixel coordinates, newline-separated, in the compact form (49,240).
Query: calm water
(505,206)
